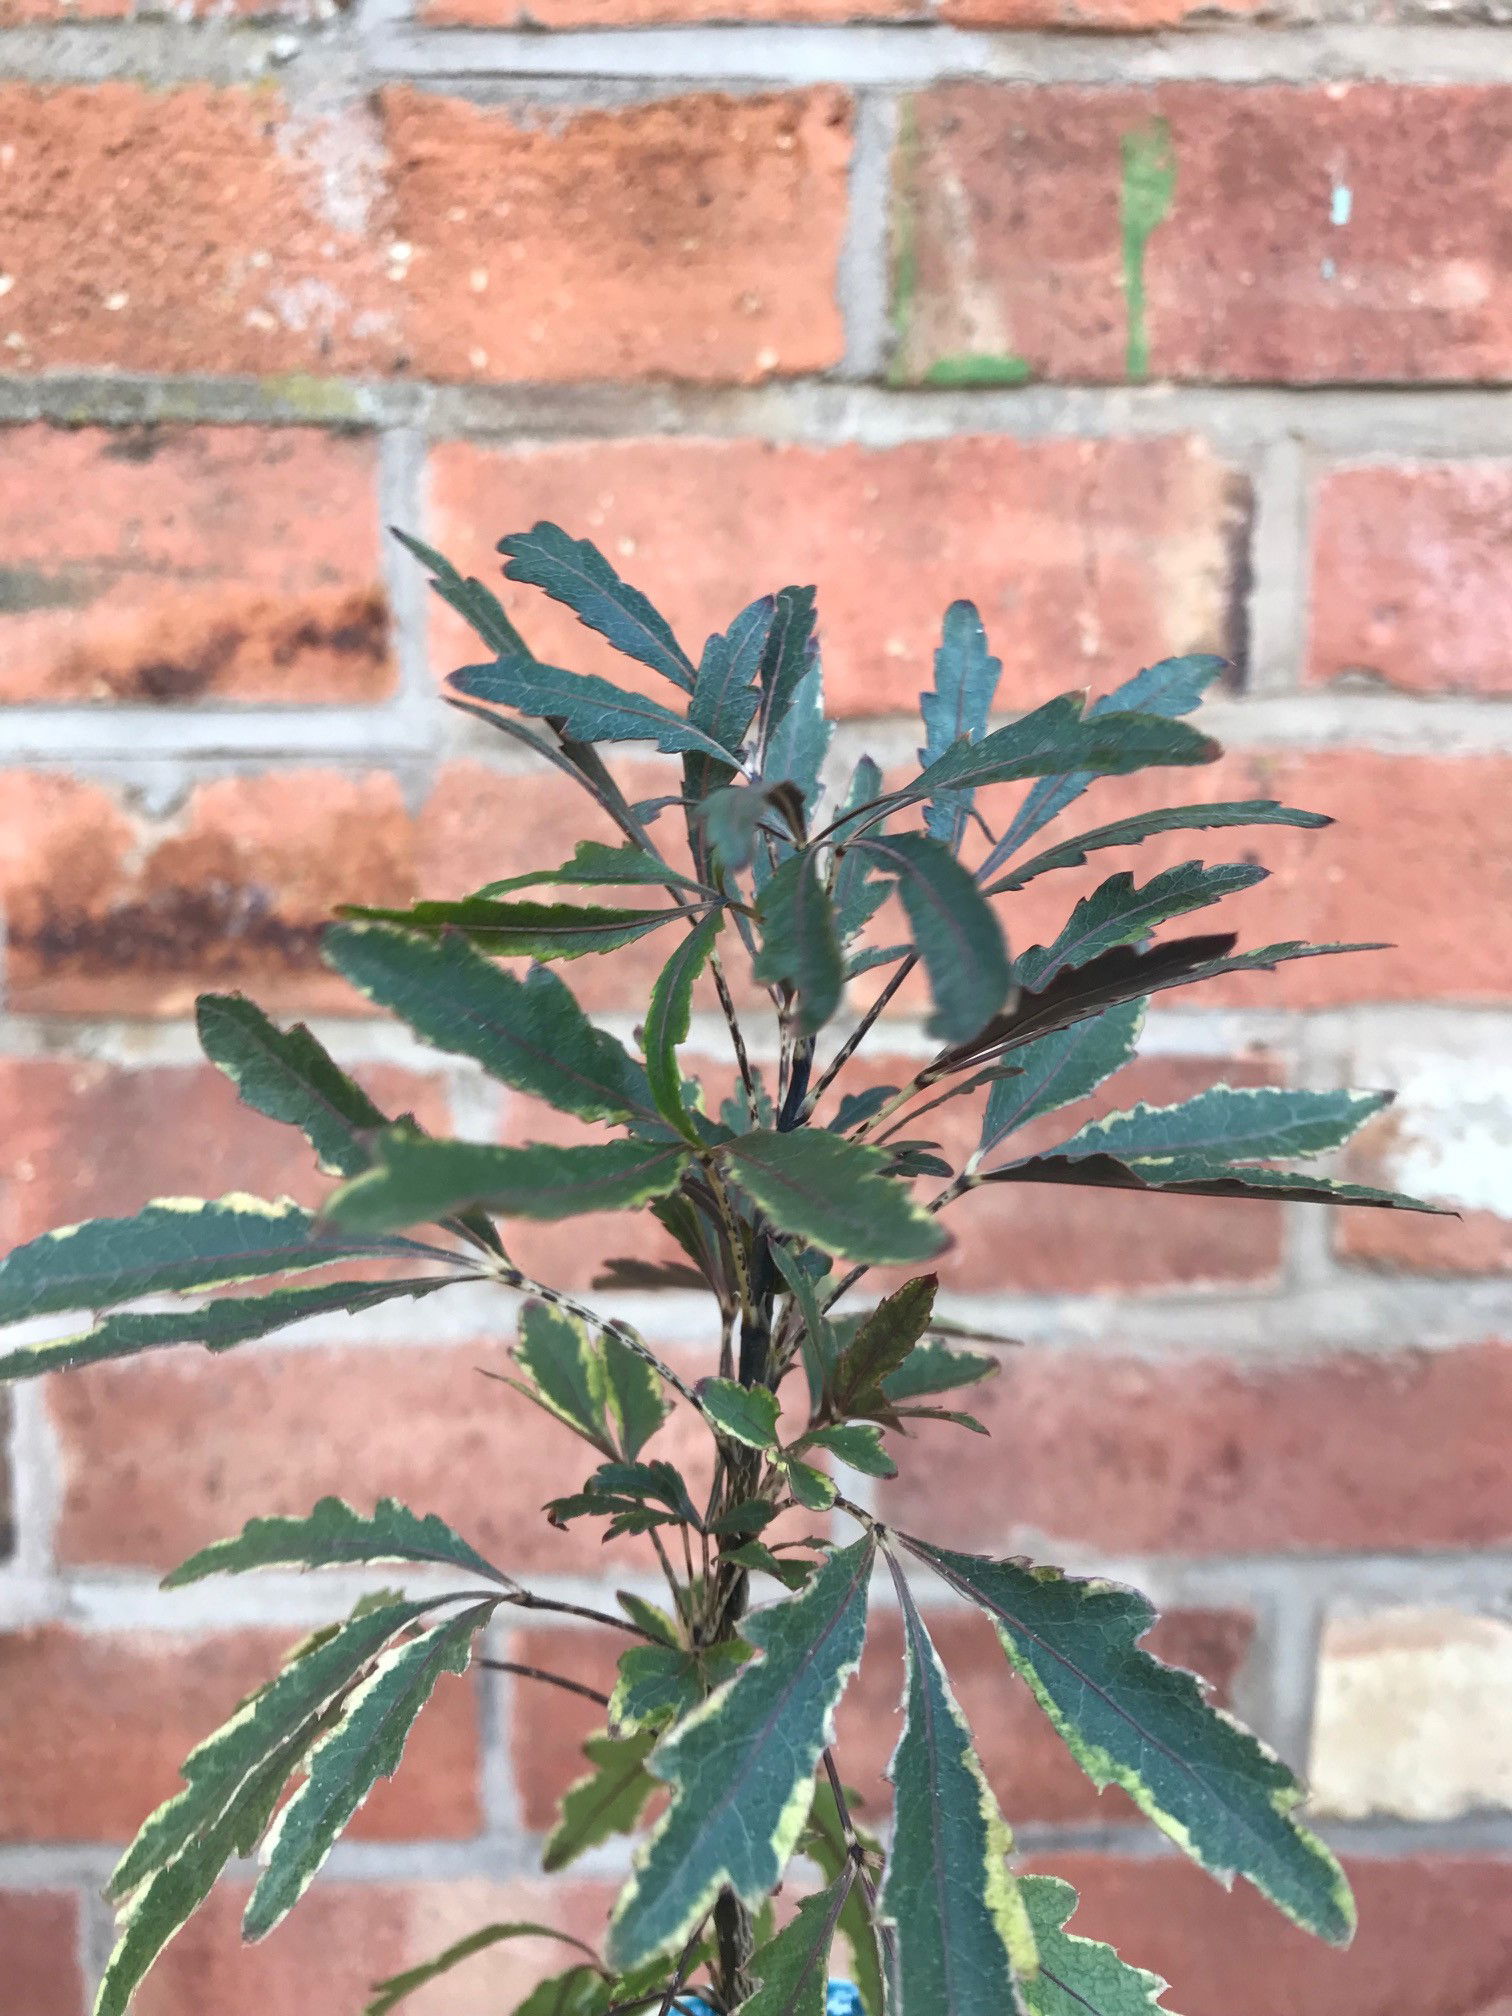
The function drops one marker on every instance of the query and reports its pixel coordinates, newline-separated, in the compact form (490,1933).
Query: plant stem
(857,1036)
(736,1939)
(540,1673)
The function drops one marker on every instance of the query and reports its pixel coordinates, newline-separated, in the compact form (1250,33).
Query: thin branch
(511,1277)
(527,1599)
(540,1673)
(737,1035)
(857,1036)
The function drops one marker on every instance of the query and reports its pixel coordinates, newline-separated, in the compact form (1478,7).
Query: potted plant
(777,1197)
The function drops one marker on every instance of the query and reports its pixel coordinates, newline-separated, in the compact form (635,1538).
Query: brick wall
(1152,327)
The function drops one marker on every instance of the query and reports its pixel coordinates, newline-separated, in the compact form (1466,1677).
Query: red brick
(96,1725)
(1011,244)
(88,1140)
(110,914)
(694,237)
(191,563)
(649,13)
(1388,1451)
(343,1937)
(547,1725)
(39,1936)
(1409,577)
(1435,1937)
(1122,16)
(1087,558)
(162,1455)
(1027,1764)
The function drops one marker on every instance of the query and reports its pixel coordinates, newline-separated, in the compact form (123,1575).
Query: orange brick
(1027,1764)
(1087,558)
(182,564)
(547,1725)
(649,13)
(96,1725)
(39,1936)
(1409,577)
(1387,1451)
(1011,234)
(1122,16)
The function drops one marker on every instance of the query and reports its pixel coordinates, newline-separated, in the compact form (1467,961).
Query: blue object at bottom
(841,2000)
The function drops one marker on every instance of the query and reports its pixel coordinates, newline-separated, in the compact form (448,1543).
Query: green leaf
(609,1800)
(962,1931)
(800,948)
(1059,738)
(1168,819)
(857,1443)
(420,1181)
(336,1535)
(1196,1176)
(813,1490)
(574,572)
(1079,1977)
(792,1970)
(175,1245)
(389,1994)
(474,603)
(596,865)
(932,1367)
(829,1191)
(955,932)
(745,1413)
(816,1337)
(289,1076)
(725,694)
(364,1745)
(966,678)
(656,1623)
(1173,687)
(658,1684)
(668,1019)
(858,894)
(1061,1068)
(884,1339)
(1243,1123)
(732,817)
(568,1373)
(790,654)
(261,1729)
(826,1843)
(219,1325)
(799,740)
(590,709)
(1128,1720)
(1117,913)
(742,1765)
(636,1401)
(529,1034)
(523,930)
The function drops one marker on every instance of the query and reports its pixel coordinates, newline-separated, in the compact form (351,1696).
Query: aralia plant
(778,1197)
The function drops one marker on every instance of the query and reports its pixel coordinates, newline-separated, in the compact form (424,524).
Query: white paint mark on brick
(1449,1136)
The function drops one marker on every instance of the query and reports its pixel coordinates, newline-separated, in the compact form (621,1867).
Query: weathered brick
(183,564)
(96,1725)
(161,1455)
(110,913)
(89,1140)
(1346,232)
(1390,1451)
(694,237)
(1087,558)
(649,13)
(1410,1715)
(39,1936)
(1026,1763)
(1433,1937)
(343,1937)
(1409,576)
(1122,16)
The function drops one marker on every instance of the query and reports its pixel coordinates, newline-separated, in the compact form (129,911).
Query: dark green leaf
(813,1490)
(829,1191)
(799,946)
(175,1245)
(754,1555)
(524,930)
(955,932)
(745,1413)
(731,819)
(574,572)
(420,1181)
(656,1623)
(658,1684)
(742,1765)
(474,603)
(1130,1721)
(1059,737)
(816,1339)
(966,678)
(857,1107)
(530,1034)
(654,1276)
(856,1443)
(362,1746)
(858,894)
(568,1373)
(884,1339)
(609,1800)
(289,1075)
(335,1535)
(933,1367)
(636,1401)
(1060,1069)
(1194,1176)
(668,1019)
(219,1325)
(1142,825)
(1079,1977)
(962,1931)
(826,1843)
(595,865)
(790,652)
(590,709)
(1235,1124)
(389,1994)
(725,694)
(581,1991)
(799,741)
(792,1969)
(1116,913)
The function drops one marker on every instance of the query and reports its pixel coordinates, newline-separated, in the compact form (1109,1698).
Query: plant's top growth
(780,1197)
